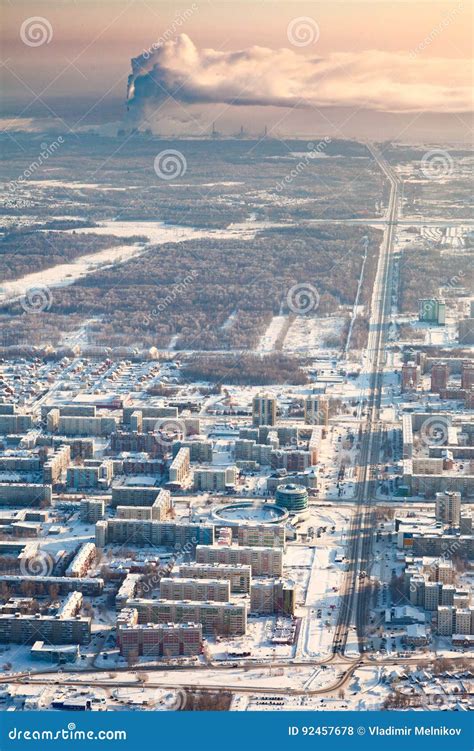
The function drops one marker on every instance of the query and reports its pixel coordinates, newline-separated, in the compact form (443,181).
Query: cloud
(372,79)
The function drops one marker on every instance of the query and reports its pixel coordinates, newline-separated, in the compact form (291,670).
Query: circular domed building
(250,512)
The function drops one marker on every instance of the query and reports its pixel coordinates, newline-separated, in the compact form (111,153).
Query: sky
(353,69)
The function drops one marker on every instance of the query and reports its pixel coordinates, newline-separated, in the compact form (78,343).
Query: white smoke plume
(372,79)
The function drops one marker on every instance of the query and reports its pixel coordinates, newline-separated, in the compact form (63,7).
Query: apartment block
(90,475)
(179,588)
(41,585)
(261,535)
(154,412)
(316,410)
(13,462)
(180,467)
(82,561)
(86,426)
(272,596)
(448,508)
(160,534)
(221,618)
(27,629)
(156,639)
(91,510)
(263,561)
(121,441)
(129,588)
(215,479)
(410,377)
(238,576)
(200,449)
(54,467)
(158,511)
(25,494)
(263,411)
(135,495)
(16,423)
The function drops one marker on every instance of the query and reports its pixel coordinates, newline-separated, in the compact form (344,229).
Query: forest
(215,295)
(24,251)
(423,271)
(243,370)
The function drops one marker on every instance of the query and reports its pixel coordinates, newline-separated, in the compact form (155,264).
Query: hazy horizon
(394,70)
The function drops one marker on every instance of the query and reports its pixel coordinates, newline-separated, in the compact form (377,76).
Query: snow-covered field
(308,334)
(268,340)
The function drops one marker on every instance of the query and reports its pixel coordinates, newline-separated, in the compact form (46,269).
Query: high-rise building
(180,467)
(272,596)
(92,509)
(410,376)
(466,331)
(263,410)
(445,572)
(432,310)
(467,375)
(210,478)
(439,377)
(316,410)
(445,620)
(448,594)
(463,619)
(417,590)
(448,508)
(432,595)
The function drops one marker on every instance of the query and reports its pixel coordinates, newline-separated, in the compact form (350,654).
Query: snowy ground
(319,577)
(269,338)
(307,335)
